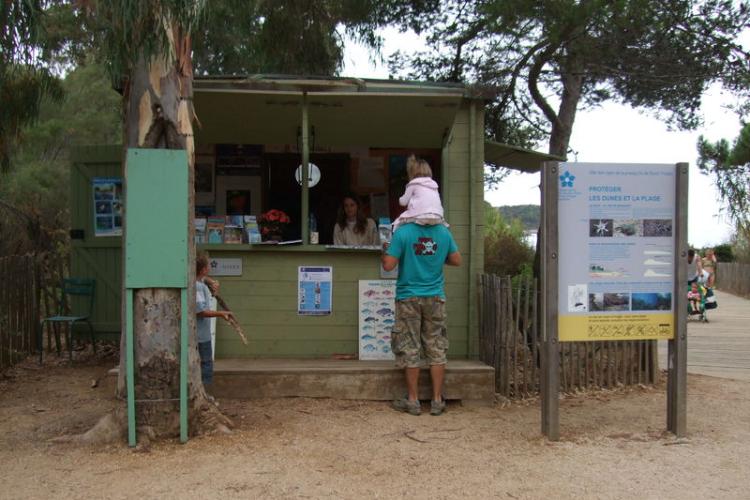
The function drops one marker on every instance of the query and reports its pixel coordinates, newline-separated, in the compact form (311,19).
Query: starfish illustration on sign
(601,228)
(566,179)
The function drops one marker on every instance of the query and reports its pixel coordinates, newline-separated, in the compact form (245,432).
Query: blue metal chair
(81,287)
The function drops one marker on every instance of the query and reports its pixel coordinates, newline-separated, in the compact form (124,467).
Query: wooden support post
(677,354)
(550,381)
(305,222)
(471,267)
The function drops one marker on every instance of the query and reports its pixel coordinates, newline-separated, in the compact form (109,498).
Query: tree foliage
(281,36)
(542,61)
(24,81)
(88,114)
(729,167)
(506,252)
(528,215)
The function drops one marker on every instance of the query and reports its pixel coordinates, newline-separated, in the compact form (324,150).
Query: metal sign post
(156,253)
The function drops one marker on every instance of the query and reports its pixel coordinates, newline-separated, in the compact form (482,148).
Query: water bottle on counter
(313,229)
(385,233)
(384,230)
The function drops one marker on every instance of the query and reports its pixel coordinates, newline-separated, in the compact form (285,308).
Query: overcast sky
(612,133)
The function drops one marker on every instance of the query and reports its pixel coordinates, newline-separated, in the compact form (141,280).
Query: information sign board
(616,251)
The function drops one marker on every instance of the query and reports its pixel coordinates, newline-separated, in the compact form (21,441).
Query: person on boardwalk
(709,264)
(204,314)
(694,267)
(694,297)
(421,197)
(419,336)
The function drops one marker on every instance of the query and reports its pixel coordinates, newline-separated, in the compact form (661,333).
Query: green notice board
(156,219)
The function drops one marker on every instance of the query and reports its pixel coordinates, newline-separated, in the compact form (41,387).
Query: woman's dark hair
(361,224)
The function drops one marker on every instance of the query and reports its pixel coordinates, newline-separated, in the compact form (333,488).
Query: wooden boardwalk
(721,347)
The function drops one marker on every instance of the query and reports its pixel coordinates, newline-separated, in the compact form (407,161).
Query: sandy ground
(613,446)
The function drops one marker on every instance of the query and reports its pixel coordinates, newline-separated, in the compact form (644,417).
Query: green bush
(506,252)
(723,252)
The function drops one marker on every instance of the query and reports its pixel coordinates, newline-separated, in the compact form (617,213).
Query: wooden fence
(733,277)
(510,341)
(19,308)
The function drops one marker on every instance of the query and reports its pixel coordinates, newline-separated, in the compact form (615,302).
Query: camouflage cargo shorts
(419,336)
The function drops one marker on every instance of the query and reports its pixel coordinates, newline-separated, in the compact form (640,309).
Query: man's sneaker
(411,407)
(437,407)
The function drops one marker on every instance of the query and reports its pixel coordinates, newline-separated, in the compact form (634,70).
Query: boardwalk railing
(510,341)
(19,308)
(733,277)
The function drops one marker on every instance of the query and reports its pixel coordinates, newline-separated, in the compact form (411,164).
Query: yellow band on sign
(616,327)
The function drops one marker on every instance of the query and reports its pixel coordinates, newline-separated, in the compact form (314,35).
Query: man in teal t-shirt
(419,335)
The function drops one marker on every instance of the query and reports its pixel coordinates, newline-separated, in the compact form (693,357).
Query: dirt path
(612,447)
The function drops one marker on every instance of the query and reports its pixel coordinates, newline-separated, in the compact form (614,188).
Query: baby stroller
(710,299)
(707,299)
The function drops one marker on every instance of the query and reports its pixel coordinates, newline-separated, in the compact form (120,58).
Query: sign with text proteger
(616,251)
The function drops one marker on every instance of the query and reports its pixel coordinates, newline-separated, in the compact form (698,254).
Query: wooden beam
(677,353)
(305,222)
(550,380)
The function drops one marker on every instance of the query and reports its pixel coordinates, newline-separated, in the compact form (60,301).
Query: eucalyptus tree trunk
(159,114)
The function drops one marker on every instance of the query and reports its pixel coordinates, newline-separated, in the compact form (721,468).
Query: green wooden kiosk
(252,135)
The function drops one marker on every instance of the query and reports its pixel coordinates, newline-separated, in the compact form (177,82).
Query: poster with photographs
(616,247)
(108,203)
(377,314)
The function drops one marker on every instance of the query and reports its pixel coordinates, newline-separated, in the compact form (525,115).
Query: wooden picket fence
(510,340)
(19,307)
(733,277)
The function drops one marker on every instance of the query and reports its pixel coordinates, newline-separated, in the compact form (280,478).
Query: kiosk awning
(342,113)
(514,157)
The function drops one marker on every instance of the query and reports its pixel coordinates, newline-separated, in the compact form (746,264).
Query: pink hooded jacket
(421,199)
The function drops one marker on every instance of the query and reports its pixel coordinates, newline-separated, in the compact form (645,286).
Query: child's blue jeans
(207,362)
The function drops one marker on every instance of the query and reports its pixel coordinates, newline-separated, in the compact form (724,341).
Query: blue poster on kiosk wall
(315,290)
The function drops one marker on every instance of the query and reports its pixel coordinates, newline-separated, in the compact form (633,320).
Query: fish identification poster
(377,314)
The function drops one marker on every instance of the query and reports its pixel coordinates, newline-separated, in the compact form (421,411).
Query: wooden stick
(235,325)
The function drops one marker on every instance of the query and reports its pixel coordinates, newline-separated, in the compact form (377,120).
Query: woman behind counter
(352,228)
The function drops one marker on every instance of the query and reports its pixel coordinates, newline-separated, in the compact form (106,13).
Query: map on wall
(377,314)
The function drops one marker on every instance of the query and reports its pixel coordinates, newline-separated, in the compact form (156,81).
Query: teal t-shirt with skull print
(421,252)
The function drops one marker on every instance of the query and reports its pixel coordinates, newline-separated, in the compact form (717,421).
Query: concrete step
(242,378)
(343,379)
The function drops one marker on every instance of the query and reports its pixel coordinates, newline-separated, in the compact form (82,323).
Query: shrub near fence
(19,308)
(511,341)
(733,277)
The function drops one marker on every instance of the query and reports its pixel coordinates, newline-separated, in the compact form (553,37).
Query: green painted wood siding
(458,194)
(92,257)
(264,298)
